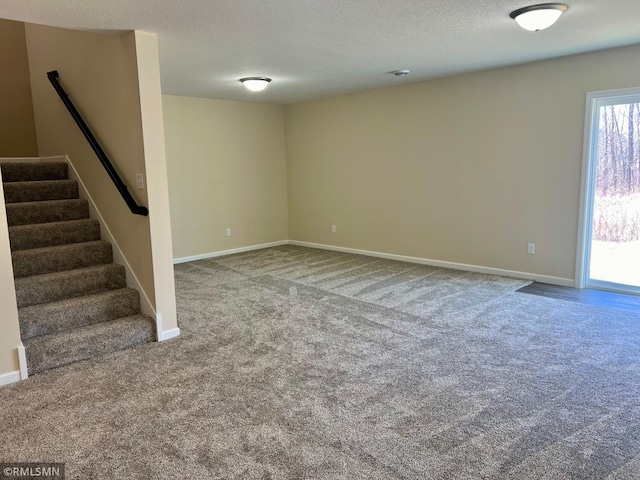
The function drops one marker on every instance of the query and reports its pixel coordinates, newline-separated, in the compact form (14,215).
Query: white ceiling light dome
(538,17)
(255,84)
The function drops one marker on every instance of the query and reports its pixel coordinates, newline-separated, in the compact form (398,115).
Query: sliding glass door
(611,193)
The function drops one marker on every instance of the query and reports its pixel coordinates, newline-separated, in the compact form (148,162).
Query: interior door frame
(594,101)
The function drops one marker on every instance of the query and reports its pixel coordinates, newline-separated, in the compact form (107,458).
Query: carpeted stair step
(39,191)
(39,261)
(26,213)
(34,171)
(73,303)
(23,237)
(72,313)
(55,350)
(52,287)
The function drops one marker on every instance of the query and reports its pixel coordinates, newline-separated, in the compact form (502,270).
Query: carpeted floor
(297,363)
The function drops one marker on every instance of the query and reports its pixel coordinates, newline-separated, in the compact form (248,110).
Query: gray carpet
(72,300)
(304,364)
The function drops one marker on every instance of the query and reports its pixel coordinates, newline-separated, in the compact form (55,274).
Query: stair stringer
(105,234)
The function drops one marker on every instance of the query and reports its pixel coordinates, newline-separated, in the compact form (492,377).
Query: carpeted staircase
(73,303)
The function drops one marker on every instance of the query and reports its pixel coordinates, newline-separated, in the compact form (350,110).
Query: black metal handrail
(111,171)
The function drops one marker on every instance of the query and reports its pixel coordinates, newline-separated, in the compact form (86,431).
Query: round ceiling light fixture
(538,17)
(255,84)
(401,73)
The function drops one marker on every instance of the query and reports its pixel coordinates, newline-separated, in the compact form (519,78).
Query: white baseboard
(22,361)
(8,378)
(565,282)
(161,333)
(169,334)
(222,253)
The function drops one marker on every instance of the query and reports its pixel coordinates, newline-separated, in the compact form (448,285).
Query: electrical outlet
(139,181)
(333,229)
(531,248)
(228,232)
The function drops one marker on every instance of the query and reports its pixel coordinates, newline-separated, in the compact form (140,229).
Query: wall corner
(147,58)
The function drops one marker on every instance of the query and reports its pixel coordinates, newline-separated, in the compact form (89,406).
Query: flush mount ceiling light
(255,84)
(401,73)
(538,17)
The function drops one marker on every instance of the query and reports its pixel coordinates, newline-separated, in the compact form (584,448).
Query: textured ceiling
(319,48)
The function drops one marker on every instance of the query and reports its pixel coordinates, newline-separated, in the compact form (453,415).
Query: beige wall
(465,169)
(227,169)
(100,74)
(9,326)
(17,129)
